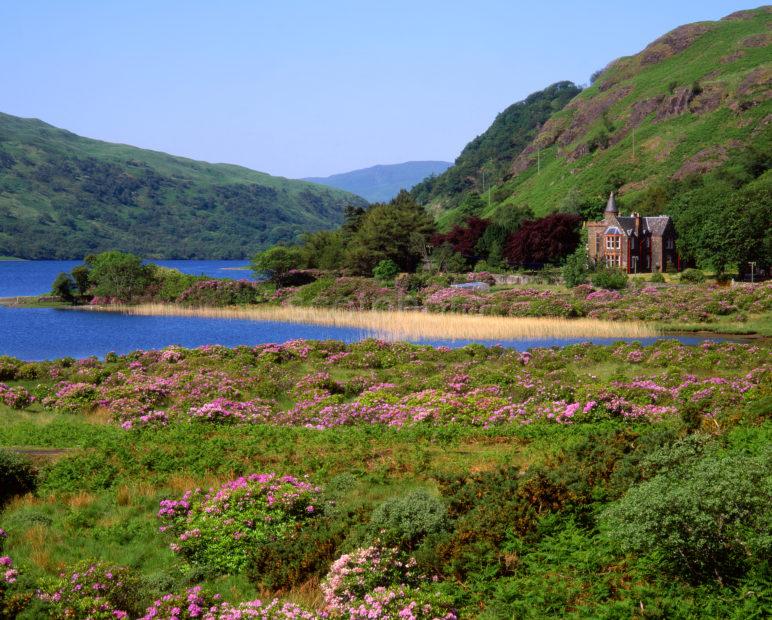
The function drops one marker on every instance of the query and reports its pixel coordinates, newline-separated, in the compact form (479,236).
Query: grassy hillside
(382,183)
(486,159)
(64,196)
(694,104)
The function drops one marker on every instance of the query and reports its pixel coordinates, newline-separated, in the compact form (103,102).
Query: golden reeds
(397,325)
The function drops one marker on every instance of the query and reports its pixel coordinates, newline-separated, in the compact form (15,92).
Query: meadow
(383,480)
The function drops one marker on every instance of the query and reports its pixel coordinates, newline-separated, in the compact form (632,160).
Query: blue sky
(308,88)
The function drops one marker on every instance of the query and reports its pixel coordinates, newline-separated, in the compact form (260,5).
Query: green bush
(386,270)
(17,476)
(575,269)
(657,277)
(692,276)
(703,521)
(405,521)
(612,279)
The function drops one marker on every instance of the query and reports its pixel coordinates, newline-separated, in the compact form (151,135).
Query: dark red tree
(545,240)
(463,237)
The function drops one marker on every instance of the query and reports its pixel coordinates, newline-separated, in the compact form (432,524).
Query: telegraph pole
(753,266)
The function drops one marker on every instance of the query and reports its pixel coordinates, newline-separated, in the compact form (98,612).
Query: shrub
(575,270)
(657,277)
(17,476)
(353,575)
(216,529)
(405,521)
(219,293)
(611,279)
(703,521)
(386,270)
(692,276)
(15,397)
(93,590)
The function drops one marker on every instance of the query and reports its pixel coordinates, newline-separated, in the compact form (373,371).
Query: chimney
(637,217)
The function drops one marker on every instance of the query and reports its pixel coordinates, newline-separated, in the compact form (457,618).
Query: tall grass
(397,325)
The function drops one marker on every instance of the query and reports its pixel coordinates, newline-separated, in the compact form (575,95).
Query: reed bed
(401,325)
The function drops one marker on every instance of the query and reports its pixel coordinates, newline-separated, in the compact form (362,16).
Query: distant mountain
(64,196)
(382,183)
(694,107)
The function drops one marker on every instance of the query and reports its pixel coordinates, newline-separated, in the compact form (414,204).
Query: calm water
(47,333)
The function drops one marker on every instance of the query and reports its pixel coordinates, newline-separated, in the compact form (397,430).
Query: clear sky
(308,87)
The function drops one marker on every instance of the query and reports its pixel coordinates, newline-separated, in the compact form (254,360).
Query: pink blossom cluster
(8,574)
(375,582)
(89,591)
(15,397)
(224,411)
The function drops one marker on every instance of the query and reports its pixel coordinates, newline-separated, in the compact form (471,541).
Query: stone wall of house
(657,256)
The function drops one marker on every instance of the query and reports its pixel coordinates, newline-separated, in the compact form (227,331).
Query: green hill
(486,159)
(382,183)
(65,196)
(693,106)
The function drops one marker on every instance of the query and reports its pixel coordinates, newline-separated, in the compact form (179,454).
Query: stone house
(632,243)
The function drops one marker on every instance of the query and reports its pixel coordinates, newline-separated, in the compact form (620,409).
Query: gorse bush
(703,521)
(405,521)
(611,279)
(17,476)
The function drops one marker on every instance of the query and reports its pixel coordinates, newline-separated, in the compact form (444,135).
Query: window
(613,260)
(613,242)
(669,244)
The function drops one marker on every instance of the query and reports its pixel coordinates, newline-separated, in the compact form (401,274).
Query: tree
(387,231)
(277,261)
(546,240)
(720,228)
(463,238)
(80,275)
(323,249)
(62,287)
(119,275)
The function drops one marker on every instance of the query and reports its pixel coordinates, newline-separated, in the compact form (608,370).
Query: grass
(397,325)
(760,325)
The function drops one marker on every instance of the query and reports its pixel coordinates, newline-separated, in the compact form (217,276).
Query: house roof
(625,225)
(657,224)
(611,205)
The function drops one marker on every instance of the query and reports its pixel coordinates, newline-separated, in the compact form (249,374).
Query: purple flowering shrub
(93,590)
(15,397)
(217,528)
(8,574)
(197,603)
(376,582)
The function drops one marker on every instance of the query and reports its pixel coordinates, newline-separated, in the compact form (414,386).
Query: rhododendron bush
(217,528)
